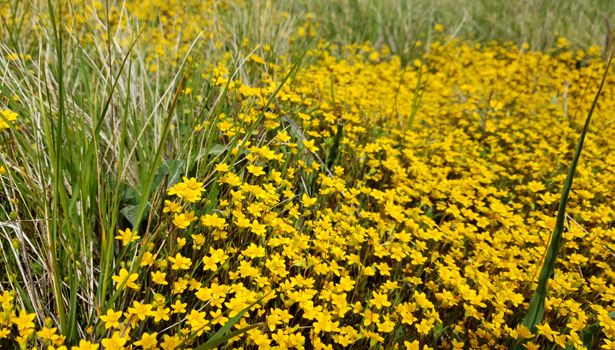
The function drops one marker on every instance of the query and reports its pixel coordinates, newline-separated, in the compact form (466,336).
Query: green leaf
(133,197)
(227,326)
(215,343)
(332,155)
(130,195)
(72,313)
(174,168)
(220,336)
(216,149)
(590,334)
(130,213)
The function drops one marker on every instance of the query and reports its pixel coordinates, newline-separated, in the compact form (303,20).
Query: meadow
(307,175)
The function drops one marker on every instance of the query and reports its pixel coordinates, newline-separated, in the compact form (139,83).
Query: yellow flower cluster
(425,228)
(429,238)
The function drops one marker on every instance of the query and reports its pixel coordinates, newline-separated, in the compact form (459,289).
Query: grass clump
(208,175)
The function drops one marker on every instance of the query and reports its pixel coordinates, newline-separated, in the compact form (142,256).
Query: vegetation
(298,175)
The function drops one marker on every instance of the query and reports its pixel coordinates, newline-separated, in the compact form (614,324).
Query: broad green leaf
(590,334)
(174,168)
(130,213)
(216,149)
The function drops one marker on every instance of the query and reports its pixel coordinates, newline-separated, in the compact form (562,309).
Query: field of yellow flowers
(233,175)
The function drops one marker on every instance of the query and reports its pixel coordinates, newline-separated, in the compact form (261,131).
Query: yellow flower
(310,146)
(254,251)
(190,190)
(170,342)
(386,325)
(116,342)
(424,327)
(140,310)
(257,228)
(181,221)
(111,319)
(148,341)
(7,115)
(217,318)
(48,334)
(307,201)
(524,332)
(282,137)
(546,331)
(415,345)
(171,206)
(370,317)
(179,307)
(180,262)
(379,300)
(24,321)
(222,167)
(85,345)
(257,59)
(127,279)
(256,170)
(127,236)
(148,259)
(608,344)
(161,313)
(535,186)
(159,277)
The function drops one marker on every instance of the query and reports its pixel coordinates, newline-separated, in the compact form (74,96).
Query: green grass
(94,157)
(396,22)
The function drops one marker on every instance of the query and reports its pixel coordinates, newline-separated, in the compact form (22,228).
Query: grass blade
(212,343)
(333,153)
(537,303)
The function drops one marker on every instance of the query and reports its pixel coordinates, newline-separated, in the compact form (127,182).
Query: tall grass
(105,130)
